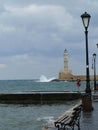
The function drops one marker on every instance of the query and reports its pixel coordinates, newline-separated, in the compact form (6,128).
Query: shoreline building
(66,74)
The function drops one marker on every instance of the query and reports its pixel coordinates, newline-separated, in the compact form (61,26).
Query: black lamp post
(94,58)
(86,18)
(97,45)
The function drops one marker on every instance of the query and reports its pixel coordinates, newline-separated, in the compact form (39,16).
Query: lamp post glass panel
(86,18)
(94,58)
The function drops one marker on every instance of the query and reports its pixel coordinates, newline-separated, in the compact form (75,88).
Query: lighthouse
(66,61)
(66,74)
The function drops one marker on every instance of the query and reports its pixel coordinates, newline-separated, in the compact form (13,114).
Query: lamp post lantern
(86,18)
(94,58)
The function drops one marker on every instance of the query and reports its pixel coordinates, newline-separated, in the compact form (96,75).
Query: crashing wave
(43,78)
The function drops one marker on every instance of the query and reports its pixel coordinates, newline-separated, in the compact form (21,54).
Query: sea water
(33,117)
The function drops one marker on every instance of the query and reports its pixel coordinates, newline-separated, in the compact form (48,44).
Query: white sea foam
(48,119)
(43,78)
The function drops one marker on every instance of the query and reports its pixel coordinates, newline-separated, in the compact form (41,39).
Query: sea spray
(43,78)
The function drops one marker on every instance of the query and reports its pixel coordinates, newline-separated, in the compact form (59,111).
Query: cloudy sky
(34,34)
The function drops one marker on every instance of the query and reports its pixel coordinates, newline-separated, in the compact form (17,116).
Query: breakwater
(39,97)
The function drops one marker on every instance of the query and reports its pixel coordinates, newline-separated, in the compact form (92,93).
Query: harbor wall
(71,77)
(38,98)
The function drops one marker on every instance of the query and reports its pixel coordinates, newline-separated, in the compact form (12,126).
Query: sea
(30,116)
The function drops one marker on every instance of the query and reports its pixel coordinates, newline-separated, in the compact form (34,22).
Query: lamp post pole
(87,90)
(94,58)
(86,18)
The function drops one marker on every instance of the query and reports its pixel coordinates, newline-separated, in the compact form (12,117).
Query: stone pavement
(89,120)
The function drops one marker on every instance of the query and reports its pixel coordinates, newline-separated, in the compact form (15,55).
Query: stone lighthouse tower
(66,74)
(66,61)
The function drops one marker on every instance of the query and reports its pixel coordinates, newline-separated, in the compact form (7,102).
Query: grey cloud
(43,29)
(34,30)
